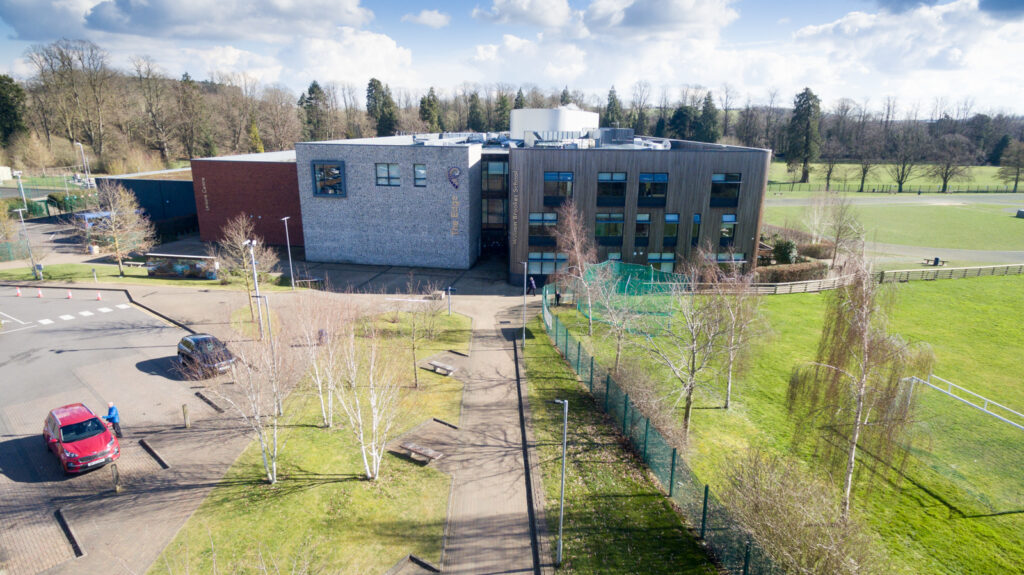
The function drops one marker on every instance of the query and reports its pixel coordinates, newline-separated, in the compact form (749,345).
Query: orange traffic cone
(39,292)
(18,294)
(99,297)
(69,294)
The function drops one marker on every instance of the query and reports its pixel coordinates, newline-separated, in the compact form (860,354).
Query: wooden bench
(427,452)
(441,368)
(934,262)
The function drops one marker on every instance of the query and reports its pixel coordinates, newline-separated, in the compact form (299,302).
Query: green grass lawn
(320,513)
(616,520)
(107,273)
(850,175)
(966,226)
(959,508)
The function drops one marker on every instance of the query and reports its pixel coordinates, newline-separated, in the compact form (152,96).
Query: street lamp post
(85,163)
(288,242)
(17,174)
(524,310)
(255,283)
(28,243)
(561,505)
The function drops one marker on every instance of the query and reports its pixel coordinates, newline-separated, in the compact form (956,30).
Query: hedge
(792,272)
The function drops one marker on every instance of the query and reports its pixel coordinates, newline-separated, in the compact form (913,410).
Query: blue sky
(927,54)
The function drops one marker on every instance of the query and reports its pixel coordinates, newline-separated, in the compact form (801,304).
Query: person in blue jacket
(114,418)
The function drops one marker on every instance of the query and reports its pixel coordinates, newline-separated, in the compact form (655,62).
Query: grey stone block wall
(433,226)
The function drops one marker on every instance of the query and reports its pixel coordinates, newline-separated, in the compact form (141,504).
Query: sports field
(960,505)
(849,174)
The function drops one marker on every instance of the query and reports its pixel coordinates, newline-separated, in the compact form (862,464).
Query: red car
(79,439)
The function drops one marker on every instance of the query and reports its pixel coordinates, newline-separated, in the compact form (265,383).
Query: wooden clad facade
(690,168)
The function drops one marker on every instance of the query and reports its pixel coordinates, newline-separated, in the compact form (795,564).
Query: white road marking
(123,306)
(12,317)
(85,313)
(105,310)
(45,321)
(67,317)
(7,331)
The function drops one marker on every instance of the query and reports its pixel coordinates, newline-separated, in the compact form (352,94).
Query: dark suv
(202,355)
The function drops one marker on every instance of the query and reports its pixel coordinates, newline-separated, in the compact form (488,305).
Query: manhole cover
(504,322)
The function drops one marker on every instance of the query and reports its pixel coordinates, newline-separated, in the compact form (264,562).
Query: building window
(731,257)
(493,213)
(608,229)
(695,231)
(494,176)
(671,230)
(728,233)
(664,261)
(643,229)
(615,256)
(419,175)
(653,185)
(329,179)
(725,190)
(545,263)
(388,175)
(541,223)
(611,188)
(558,184)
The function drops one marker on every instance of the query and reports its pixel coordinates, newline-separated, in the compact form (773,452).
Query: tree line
(139,118)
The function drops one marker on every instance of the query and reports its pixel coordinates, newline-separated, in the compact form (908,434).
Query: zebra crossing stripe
(67,317)
(45,321)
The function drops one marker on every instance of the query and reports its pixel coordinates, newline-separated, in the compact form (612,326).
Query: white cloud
(429,18)
(350,56)
(543,13)
(647,18)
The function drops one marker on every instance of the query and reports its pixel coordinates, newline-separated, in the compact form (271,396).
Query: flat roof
(183,174)
(283,157)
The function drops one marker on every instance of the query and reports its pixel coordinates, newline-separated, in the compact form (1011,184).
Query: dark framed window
(493,213)
(731,257)
(615,256)
(653,185)
(611,188)
(558,184)
(388,175)
(494,177)
(695,231)
(329,178)
(542,222)
(663,261)
(419,175)
(608,229)
(545,263)
(671,230)
(643,230)
(728,231)
(725,190)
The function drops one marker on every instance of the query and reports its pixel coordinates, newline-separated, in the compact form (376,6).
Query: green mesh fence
(725,537)
(13,250)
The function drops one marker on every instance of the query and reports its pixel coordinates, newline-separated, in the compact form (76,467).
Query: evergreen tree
(374,98)
(707,129)
(430,111)
(565,98)
(996,156)
(477,121)
(12,108)
(682,124)
(613,112)
(660,128)
(314,113)
(387,112)
(520,101)
(255,142)
(502,110)
(803,139)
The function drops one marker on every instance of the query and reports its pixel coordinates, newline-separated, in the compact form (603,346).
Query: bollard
(704,513)
(94,278)
(115,476)
(184,412)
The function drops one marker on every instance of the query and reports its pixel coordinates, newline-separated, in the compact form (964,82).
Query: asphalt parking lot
(55,351)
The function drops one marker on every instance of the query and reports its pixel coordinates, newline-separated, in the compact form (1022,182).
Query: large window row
(545,263)
(652,190)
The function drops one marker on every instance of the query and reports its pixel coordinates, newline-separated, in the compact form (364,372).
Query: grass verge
(107,273)
(321,515)
(616,520)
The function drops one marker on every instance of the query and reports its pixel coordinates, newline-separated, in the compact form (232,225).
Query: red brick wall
(268,191)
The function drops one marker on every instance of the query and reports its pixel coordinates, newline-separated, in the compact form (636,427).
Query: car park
(203,355)
(79,438)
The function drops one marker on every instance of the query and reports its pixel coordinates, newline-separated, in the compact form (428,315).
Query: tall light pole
(288,242)
(255,283)
(561,505)
(85,163)
(28,243)
(524,310)
(17,174)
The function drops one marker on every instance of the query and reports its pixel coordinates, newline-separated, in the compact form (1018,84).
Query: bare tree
(232,252)
(618,310)
(640,106)
(368,392)
(831,153)
(8,227)
(154,89)
(843,228)
(321,319)
(123,229)
(816,216)
(740,306)
(853,394)
(726,94)
(422,318)
(689,342)
(792,516)
(953,154)
(1012,164)
(573,238)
